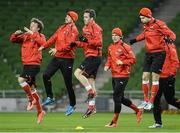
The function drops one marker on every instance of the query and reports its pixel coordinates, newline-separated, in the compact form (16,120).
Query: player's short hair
(91,12)
(39,22)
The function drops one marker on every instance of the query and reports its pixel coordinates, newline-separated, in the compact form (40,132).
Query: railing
(14,93)
(137,94)
(134,94)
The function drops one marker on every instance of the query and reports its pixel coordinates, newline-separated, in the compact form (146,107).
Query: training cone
(79,128)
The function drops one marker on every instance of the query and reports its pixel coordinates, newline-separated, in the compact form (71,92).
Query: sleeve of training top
(52,39)
(167,31)
(96,40)
(16,38)
(39,38)
(174,60)
(131,59)
(108,61)
(72,37)
(80,44)
(140,37)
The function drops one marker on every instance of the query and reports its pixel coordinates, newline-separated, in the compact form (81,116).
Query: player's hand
(72,44)
(168,40)
(41,48)
(28,30)
(119,62)
(132,41)
(18,32)
(52,51)
(106,68)
(83,39)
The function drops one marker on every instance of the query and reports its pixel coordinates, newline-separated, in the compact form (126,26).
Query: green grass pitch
(58,122)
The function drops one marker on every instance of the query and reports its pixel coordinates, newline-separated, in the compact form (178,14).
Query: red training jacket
(93,32)
(62,38)
(120,51)
(29,48)
(154,33)
(171,63)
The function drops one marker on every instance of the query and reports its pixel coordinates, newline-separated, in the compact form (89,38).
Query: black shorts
(63,64)
(90,66)
(30,72)
(153,62)
(119,84)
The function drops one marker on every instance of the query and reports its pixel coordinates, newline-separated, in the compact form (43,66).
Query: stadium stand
(16,13)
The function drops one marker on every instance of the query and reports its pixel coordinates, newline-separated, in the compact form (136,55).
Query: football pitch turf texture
(58,122)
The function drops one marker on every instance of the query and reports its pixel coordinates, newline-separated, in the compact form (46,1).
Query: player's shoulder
(97,27)
(74,27)
(159,22)
(126,45)
(110,46)
(60,27)
(41,34)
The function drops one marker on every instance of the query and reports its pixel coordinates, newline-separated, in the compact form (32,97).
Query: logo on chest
(66,32)
(119,52)
(32,40)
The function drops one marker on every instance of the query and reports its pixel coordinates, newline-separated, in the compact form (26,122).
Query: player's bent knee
(145,76)
(155,76)
(77,73)
(21,80)
(117,99)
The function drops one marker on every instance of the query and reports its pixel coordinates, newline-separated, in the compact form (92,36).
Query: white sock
(23,84)
(155,83)
(145,82)
(92,102)
(88,87)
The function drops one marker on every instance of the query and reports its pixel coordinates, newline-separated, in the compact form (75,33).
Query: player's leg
(51,69)
(82,76)
(154,90)
(156,68)
(169,93)
(66,68)
(119,85)
(145,88)
(40,112)
(127,102)
(91,101)
(24,77)
(157,105)
(32,83)
(92,69)
(87,69)
(145,79)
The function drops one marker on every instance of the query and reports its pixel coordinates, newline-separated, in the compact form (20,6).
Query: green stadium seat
(113,13)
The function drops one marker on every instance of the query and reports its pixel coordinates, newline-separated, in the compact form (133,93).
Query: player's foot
(111,125)
(40,117)
(91,95)
(139,116)
(31,104)
(70,110)
(156,126)
(90,111)
(48,101)
(142,105)
(149,106)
